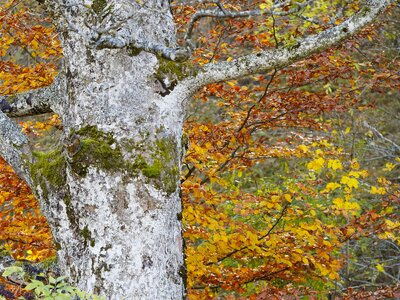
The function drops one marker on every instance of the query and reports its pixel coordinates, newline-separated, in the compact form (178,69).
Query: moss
(157,161)
(185,140)
(133,51)
(70,211)
(50,262)
(160,165)
(87,235)
(174,71)
(154,170)
(49,167)
(97,149)
(167,157)
(99,5)
(167,67)
(160,168)
(4,252)
(58,246)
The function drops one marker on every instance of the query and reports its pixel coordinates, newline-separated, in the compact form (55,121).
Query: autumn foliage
(273,194)
(29,48)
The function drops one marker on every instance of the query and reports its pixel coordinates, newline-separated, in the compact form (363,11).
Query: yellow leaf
(355,165)
(349,181)
(34,44)
(380,268)
(303,148)
(204,128)
(335,164)
(338,202)
(288,198)
(316,164)
(347,131)
(332,186)
(333,276)
(377,191)
(389,167)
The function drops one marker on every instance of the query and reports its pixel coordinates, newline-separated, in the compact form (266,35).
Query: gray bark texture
(110,189)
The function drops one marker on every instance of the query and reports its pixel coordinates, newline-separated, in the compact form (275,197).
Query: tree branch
(173,54)
(14,147)
(222,13)
(281,57)
(35,102)
(395,147)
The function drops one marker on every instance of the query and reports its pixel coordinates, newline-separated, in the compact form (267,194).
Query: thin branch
(381,136)
(282,213)
(282,57)
(258,102)
(222,13)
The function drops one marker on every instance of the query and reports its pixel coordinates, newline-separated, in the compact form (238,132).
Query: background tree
(109,189)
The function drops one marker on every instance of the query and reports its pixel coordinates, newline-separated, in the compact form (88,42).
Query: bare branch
(395,147)
(35,102)
(14,147)
(281,57)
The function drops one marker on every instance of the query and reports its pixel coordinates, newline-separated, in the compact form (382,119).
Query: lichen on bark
(156,160)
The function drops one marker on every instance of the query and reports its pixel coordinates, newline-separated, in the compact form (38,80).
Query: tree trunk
(110,190)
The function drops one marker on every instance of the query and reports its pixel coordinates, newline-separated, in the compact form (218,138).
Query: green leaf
(61,278)
(13,270)
(31,286)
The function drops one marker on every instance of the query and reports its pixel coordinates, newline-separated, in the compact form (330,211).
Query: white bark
(110,191)
(14,147)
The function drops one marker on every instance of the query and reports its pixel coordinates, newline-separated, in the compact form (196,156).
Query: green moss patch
(98,149)
(87,235)
(99,5)
(155,160)
(49,167)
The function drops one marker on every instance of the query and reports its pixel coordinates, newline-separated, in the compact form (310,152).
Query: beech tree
(110,188)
